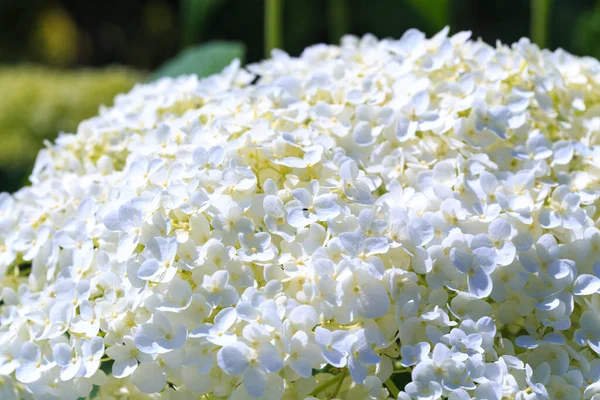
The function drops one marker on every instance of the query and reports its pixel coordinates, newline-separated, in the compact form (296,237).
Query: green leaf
(202,60)
(194,15)
(436,13)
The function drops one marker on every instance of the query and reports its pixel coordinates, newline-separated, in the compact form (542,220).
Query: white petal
(304,316)
(122,369)
(149,270)
(71,370)
(129,217)
(405,128)
(559,269)
(112,221)
(225,319)
(352,242)
(233,359)
(461,259)
(255,382)
(301,366)
(586,284)
(358,371)
(303,196)
(149,378)
(499,229)
(489,391)
(549,218)
(30,352)
(177,340)
(63,353)
(298,218)
(326,208)
(349,170)
(273,206)
(323,336)
(126,246)
(269,359)
(195,381)
(480,284)
(444,172)
(362,134)
(28,373)
(373,300)
(334,357)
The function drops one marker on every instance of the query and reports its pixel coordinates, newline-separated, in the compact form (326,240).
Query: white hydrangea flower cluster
(310,227)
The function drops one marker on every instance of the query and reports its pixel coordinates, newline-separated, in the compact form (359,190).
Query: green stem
(540,13)
(273,30)
(338,19)
(339,385)
(394,391)
(330,382)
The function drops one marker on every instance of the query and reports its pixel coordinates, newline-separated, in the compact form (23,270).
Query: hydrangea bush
(314,227)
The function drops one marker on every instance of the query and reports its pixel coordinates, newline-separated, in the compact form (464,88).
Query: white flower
(354,185)
(217,333)
(303,354)
(33,363)
(256,247)
(564,210)
(334,345)
(371,123)
(70,363)
(308,227)
(478,266)
(545,258)
(276,217)
(361,355)
(361,295)
(589,332)
(253,365)
(91,353)
(127,219)
(217,289)
(160,336)
(126,357)
(412,355)
(415,117)
(159,267)
(308,206)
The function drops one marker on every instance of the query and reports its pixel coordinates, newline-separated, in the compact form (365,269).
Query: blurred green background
(61,59)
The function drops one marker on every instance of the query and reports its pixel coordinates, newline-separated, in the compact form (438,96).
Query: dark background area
(71,36)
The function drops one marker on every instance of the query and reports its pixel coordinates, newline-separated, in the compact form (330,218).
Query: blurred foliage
(145,33)
(55,37)
(587,33)
(38,102)
(138,33)
(338,18)
(434,12)
(194,15)
(202,60)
